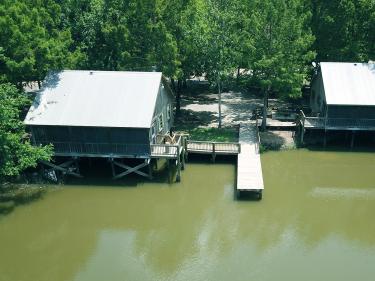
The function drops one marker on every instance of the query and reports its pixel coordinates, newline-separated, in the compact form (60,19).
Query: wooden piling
(213,152)
(178,176)
(352,140)
(150,165)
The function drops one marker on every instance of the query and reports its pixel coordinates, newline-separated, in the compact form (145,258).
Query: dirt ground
(200,110)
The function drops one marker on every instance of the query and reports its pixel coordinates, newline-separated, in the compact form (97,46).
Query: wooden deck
(165,151)
(249,168)
(272,123)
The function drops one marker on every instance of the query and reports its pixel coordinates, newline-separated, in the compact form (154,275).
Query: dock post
(112,167)
(183,160)
(150,169)
(76,165)
(302,134)
(169,171)
(178,176)
(213,153)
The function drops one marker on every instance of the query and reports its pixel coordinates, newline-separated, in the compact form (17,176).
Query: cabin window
(169,112)
(160,122)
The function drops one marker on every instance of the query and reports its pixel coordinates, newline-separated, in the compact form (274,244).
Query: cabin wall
(91,141)
(163,117)
(352,112)
(317,97)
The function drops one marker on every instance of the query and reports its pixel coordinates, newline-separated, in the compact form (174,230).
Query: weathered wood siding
(91,141)
(163,115)
(317,97)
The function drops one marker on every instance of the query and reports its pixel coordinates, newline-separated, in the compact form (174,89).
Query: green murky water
(315,222)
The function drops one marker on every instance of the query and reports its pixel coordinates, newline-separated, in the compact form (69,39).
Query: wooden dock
(249,167)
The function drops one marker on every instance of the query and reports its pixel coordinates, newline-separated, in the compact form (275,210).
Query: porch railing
(337,123)
(99,148)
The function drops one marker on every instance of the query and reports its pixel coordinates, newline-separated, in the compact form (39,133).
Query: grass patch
(214,134)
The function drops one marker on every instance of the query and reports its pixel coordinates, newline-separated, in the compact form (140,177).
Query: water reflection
(316,214)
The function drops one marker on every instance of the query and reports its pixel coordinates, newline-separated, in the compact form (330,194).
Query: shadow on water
(341,141)
(97,172)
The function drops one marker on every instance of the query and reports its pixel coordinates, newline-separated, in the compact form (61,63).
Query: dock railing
(78,148)
(172,149)
(213,147)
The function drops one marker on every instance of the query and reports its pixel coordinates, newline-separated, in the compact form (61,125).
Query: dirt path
(201,111)
(237,107)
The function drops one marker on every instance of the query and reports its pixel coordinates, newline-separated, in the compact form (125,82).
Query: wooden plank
(249,168)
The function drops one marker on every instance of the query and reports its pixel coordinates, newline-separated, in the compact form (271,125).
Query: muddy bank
(12,195)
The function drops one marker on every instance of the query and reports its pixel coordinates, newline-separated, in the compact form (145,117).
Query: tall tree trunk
(265,107)
(178,97)
(173,84)
(219,91)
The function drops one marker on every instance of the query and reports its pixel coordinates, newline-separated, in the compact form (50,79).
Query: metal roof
(349,83)
(96,98)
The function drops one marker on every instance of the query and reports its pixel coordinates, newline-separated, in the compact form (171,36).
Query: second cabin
(343,97)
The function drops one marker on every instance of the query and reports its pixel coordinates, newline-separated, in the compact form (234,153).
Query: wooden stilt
(325,139)
(112,167)
(129,169)
(64,168)
(302,135)
(183,160)
(178,176)
(352,140)
(150,165)
(169,170)
(213,153)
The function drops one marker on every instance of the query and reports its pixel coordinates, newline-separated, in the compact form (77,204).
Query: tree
(220,49)
(344,30)
(16,152)
(31,42)
(282,53)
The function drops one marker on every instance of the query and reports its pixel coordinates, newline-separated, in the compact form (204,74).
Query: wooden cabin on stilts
(342,100)
(116,115)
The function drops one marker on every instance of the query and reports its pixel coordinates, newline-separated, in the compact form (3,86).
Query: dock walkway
(249,167)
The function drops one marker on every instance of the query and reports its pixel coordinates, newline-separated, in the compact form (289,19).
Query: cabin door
(153,133)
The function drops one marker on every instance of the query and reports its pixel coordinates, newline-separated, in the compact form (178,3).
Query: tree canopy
(16,152)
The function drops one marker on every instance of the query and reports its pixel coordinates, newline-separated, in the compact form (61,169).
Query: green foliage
(16,152)
(283,42)
(214,134)
(121,35)
(31,42)
(344,30)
